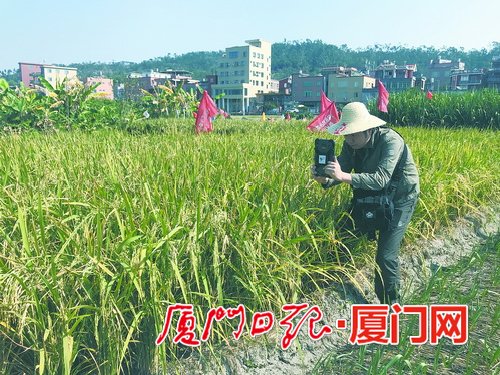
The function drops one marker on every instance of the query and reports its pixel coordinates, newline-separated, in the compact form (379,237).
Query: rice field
(101,231)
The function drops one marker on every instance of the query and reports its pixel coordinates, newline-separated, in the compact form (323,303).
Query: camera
(324,152)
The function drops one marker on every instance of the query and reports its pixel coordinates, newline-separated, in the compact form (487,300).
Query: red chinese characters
(370,324)
(449,321)
(313,315)
(185,325)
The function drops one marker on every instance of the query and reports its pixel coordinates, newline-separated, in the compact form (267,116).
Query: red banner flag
(325,102)
(383,97)
(428,95)
(206,110)
(325,119)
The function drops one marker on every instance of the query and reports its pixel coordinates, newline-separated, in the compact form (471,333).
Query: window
(308,93)
(233,54)
(342,83)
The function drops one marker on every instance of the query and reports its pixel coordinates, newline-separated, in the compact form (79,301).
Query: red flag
(325,102)
(428,95)
(326,118)
(383,97)
(206,110)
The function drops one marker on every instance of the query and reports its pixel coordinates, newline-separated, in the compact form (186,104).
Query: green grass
(101,231)
(474,281)
(478,109)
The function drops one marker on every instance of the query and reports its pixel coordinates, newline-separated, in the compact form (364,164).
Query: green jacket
(374,165)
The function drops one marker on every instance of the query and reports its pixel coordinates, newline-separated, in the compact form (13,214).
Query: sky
(75,31)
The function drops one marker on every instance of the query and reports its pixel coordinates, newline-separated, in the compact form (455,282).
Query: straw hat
(355,118)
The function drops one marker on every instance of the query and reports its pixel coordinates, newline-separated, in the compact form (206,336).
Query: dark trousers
(387,278)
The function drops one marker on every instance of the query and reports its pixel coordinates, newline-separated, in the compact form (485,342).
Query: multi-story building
(306,90)
(243,72)
(206,84)
(55,75)
(465,80)
(440,71)
(149,81)
(396,78)
(333,70)
(492,76)
(285,86)
(105,88)
(351,87)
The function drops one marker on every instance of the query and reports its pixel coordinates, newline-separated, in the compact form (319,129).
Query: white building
(243,72)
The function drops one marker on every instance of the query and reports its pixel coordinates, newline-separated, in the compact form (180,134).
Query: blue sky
(72,31)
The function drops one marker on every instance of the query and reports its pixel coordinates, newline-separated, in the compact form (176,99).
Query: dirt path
(418,262)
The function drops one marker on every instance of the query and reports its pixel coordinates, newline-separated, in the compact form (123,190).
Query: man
(373,151)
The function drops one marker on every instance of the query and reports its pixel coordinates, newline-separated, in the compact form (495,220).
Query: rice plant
(101,231)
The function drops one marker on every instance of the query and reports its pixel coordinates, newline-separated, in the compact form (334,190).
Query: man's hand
(319,179)
(333,170)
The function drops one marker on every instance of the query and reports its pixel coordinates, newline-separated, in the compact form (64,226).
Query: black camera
(324,152)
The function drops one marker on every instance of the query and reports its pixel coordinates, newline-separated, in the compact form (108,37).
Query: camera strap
(397,175)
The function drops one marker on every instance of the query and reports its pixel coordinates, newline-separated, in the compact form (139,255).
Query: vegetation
(289,57)
(67,106)
(480,109)
(474,282)
(101,231)
(75,105)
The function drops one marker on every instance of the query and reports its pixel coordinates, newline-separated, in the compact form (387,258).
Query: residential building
(342,70)
(492,76)
(351,86)
(285,86)
(149,81)
(396,77)
(274,85)
(137,82)
(30,74)
(270,103)
(206,84)
(465,80)
(105,88)
(306,90)
(440,71)
(243,72)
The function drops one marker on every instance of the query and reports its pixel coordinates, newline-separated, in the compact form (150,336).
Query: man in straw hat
(371,157)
